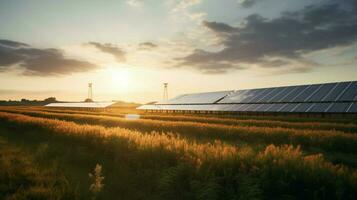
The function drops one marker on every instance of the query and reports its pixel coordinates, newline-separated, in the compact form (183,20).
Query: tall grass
(22,178)
(327,140)
(349,127)
(206,171)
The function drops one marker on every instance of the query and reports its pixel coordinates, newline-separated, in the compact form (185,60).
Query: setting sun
(120,79)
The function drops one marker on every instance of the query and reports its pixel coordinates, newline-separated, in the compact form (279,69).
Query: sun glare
(120,79)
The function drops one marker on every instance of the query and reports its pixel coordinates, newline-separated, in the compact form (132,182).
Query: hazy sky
(129,48)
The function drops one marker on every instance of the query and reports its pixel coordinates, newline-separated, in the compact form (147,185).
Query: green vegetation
(193,157)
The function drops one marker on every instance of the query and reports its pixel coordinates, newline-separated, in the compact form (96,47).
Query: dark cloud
(147,45)
(248,3)
(10,43)
(39,62)
(281,41)
(118,53)
(219,27)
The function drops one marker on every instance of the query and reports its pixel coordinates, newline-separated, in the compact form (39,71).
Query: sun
(120,79)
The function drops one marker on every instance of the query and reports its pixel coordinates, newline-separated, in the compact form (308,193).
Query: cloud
(248,3)
(118,53)
(13,44)
(184,4)
(218,27)
(147,45)
(39,62)
(134,3)
(282,41)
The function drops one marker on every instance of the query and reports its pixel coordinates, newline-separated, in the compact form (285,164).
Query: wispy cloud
(147,45)
(117,52)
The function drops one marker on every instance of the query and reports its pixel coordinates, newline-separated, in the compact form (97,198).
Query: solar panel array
(338,97)
(330,92)
(81,104)
(198,98)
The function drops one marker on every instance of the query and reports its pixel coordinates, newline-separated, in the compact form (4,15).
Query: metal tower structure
(90,91)
(166,93)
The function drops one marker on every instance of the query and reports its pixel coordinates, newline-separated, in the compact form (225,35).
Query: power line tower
(166,93)
(90,91)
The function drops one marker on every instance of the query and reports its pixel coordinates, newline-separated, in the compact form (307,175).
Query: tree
(50,100)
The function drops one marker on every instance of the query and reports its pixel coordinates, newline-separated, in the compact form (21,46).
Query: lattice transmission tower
(90,91)
(166,93)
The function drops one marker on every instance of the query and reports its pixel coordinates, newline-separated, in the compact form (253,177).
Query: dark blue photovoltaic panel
(306,93)
(319,98)
(238,107)
(322,92)
(296,91)
(332,96)
(260,95)
(302,107)
(250,95)
(244,107)
(266,98)
(319,107)
(251,107)
(275,107)
(339,107)
(287,92)
(353,108)
(289,107)
(282,93)
(350,93)
(197,98)
(263,107)
(235,97)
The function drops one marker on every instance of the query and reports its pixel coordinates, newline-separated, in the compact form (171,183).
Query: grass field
(48,153)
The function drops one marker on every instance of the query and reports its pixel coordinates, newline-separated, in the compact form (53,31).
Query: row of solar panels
(81,104)
(337,107)
(328,92)
(198,98)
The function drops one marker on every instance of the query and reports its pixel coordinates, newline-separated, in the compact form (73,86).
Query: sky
(129,48)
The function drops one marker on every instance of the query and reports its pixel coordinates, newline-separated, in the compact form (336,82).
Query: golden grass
(264,122)
(275,169)
(330,140)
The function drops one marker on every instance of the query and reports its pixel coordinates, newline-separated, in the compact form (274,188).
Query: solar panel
(251,95)
(319,107)
(302,107)
(318,98)
(238,107)
(339,107)
(261,94)
(306,93)
(280,94)
(350,93)
(334,94)
(294,93)
(272,92)
(275,107)
(235,97)
(289,107)
(81,104)
(263,107)
(251,107)
(352,108)
(199,98)
(322,92)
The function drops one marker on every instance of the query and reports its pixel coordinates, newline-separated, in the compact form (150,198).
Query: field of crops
(48,153)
